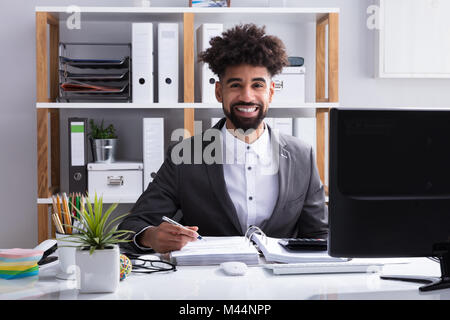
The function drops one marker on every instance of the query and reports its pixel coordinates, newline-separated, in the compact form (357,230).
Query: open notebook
(215,250)
(274,252)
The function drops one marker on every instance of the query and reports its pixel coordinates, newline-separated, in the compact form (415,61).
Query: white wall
(18,181)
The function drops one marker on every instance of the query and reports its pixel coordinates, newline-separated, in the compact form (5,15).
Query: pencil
(58,204)
(77,205)
(67,219)
(57,223)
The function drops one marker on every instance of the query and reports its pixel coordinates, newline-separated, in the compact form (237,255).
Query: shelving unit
(49,20)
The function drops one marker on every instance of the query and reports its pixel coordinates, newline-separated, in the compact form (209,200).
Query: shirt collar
(236,147)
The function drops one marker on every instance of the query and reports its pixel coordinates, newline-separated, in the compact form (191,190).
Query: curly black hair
(246,44)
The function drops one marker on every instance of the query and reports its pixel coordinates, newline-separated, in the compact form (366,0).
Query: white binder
(207,79)
(153,147)
(168,62)
(282,125)
(142,62)
(305,129)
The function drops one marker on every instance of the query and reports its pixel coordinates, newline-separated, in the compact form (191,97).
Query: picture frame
(209,3)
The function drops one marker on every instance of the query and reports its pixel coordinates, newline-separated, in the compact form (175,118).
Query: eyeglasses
(150,266)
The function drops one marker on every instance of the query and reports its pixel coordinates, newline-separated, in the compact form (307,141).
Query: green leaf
(93,228)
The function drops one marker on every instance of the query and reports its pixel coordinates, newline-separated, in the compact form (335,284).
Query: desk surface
(210,283)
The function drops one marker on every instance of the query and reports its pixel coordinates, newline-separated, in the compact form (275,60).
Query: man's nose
(247,94)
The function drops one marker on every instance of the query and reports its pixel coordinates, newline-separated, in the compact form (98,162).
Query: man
(262,178)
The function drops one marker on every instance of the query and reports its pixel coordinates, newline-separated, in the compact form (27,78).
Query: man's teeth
(247,109)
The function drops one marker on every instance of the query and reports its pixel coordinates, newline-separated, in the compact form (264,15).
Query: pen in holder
(66,257)
(66,224)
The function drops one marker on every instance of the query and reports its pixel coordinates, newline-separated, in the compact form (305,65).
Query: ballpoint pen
(178,224)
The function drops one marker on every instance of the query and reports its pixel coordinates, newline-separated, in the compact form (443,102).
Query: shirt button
(250,198)
(249,168)
(248,147)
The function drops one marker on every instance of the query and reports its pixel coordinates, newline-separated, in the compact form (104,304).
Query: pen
(177,224)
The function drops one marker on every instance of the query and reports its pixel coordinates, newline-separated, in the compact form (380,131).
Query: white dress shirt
(249,178)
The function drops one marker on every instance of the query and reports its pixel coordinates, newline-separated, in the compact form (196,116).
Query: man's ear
(218,91)
(271,90)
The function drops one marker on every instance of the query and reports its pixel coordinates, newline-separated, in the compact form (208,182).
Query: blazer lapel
(284,180)
(217,183)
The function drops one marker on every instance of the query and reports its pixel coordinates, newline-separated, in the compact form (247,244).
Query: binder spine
(142,62)
(77,155)
(168,62)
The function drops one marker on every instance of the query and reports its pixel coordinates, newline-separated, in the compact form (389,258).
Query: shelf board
(135,14)
(114,105)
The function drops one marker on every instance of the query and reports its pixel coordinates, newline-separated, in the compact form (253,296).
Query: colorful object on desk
(19,263)
(65,212)
(125,266)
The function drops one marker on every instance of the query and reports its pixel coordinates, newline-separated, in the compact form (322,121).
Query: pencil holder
(66,257)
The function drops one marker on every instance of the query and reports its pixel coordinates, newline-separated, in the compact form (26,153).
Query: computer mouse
(234,268)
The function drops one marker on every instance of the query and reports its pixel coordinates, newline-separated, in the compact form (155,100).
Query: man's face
(245,92)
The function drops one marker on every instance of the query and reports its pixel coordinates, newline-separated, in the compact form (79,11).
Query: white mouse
(234,268)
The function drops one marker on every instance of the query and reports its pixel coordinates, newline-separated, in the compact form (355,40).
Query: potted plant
(97,254)
(103,142)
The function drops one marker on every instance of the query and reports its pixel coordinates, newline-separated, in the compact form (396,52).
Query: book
(215,250)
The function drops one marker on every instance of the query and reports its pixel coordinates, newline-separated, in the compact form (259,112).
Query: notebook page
(215,250)
(274,252)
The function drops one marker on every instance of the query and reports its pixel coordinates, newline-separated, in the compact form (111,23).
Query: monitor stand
(432,283)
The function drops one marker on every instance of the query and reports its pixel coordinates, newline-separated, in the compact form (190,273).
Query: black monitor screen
(389,182)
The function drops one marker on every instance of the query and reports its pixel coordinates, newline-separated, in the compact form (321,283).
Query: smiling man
(263,178)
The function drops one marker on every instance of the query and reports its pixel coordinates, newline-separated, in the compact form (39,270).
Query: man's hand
(167,237)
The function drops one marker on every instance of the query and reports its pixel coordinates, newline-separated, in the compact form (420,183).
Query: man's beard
(245,123)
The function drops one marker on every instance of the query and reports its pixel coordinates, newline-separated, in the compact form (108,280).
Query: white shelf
(231,15)
(114,105)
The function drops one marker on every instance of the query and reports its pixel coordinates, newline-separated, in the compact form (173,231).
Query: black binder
(78,155)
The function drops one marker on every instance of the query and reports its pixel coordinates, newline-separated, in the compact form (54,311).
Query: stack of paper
(19,263)
(215,250)
(274,252)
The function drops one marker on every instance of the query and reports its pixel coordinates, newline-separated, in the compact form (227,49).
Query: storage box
(289,86)
(118,179)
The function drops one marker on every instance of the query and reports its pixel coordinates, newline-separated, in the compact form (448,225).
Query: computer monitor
(389,186)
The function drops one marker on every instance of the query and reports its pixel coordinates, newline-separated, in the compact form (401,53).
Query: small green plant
(94,233)
(98,132)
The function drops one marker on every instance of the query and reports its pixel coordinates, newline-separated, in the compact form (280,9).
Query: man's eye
(258,85)
(234,85)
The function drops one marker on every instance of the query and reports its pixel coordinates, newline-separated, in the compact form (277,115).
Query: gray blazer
(199,191)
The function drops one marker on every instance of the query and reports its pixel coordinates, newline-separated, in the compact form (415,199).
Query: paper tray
(95,63)
(94,76)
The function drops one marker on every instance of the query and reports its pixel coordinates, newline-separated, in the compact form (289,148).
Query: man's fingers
(177,230)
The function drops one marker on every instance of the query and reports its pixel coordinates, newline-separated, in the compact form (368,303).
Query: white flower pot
(99,272)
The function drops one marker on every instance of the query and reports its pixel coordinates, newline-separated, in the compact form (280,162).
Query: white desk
(210,283)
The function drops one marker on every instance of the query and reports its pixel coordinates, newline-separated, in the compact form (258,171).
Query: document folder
(142,62)
(207,79)
(77,155)
(153,146)
(168,62)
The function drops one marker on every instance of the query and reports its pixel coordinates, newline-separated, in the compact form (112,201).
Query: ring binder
(256,230)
